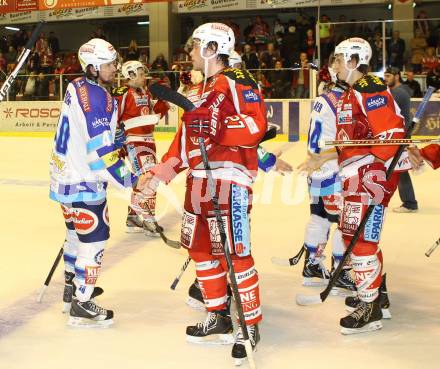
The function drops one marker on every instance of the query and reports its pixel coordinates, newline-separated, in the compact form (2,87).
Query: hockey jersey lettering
(84,158)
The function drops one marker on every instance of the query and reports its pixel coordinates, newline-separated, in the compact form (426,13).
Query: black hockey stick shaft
(221,227)
(20,61)
(51,272)
(432,248)
(419,113)
(182,270)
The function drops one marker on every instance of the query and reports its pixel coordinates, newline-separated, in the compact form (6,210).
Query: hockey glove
(120,138)
(373,181)
(161,107)
(203,122)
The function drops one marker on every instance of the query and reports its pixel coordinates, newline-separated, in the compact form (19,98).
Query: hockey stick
(182,270)
(233,281)
(291,261)
(401,141)
(49,276)
(20,61)
(433,247)
(318,299)
(159,229)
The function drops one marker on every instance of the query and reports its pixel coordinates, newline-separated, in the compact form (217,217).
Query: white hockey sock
(87,268)
(70,250)
(316,235)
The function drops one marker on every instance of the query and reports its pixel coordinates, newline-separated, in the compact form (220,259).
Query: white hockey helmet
(130,69)
(96,52)
(218,32)
(234,58)
(354,46)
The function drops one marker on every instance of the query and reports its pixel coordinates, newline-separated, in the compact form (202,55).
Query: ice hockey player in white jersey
(324,190)
(84,160)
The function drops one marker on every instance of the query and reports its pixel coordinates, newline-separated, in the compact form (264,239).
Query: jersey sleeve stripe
(98,142)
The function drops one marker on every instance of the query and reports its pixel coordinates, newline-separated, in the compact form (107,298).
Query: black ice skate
(134,223)
(314,272)
(89,315)
(345,284)
(151,230)
(69,290)
(216,329)
(195,297)
(365,318)
(238,350)
(352,302)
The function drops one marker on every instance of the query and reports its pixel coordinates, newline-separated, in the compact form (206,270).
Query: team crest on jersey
(343,136)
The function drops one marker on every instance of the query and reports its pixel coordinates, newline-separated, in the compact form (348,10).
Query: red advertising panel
(59,4)
(25,5)
(7,6)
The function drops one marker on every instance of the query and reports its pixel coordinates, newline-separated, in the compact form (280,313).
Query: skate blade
(195,304)
(373,326)
(77,322)
(66,307)
(213,339)
(314,282)
(151,234)
(342,292)
(134,230)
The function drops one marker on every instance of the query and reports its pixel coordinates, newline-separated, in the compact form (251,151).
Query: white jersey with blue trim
(324,181)
(84,157)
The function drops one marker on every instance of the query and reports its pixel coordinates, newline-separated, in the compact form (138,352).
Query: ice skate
(134,224)
(238,350)
(195,297)
(69,290)
(150,229)
(216,329)
(365,318)
(345,284)
(89,315)
(314,272)
(352,302)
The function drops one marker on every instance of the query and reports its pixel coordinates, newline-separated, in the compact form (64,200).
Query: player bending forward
(365,111)
(84,160)
(137,118)
(230,116)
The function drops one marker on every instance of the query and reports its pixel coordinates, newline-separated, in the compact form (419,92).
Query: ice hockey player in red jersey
(137,118)
(430,154)
(231,117)
(365,111)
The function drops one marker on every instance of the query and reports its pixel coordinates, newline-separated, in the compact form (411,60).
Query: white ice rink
(150,319)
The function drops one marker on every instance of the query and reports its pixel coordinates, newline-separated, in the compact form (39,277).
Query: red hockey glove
(161,107)
(203,122)
(373,180)
(431,154)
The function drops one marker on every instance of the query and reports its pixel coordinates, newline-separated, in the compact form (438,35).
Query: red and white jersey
(233,155)
(431,154)
(135,108)
(367,110)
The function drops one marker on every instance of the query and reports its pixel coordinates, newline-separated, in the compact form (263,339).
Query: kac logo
(376,102)
(250,96)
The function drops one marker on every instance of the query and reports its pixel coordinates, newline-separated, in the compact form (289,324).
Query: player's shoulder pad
(119,91)
(370,84)
(241,77)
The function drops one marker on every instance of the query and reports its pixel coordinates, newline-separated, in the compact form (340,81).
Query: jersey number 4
(314,137)
(62,136)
